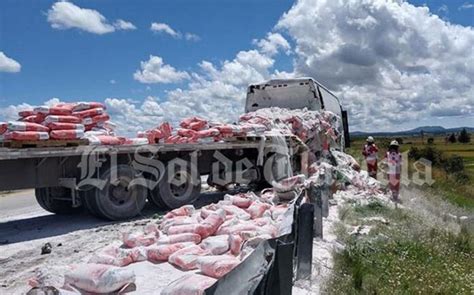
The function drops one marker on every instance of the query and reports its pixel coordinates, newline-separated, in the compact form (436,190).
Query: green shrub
(462,178)
(453,164)
(464,137)
(414,153)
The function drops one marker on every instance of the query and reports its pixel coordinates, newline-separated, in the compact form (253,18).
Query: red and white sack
(194,123)
(104,140)
(217,245)
(26,126)
(236,211)
(69,105)
(135,239)
(3,127)
(60,111)
(41,110)
(26,113)
(165,129)
(207,133)
(177,220)
(235,243)
(179,238)
(89,113)
(62,119)
(239,201)
(157,253)
(257,209)
(66,134)
(55,110)
(186,210)
(95,119)
(39,118)
(235,229)
(185,228)
(189,284)
(187,132)
(80,106)
(98,278)
(114,255)
(65,126)
(217,266)
(186,258)
(26,135)
(211,224)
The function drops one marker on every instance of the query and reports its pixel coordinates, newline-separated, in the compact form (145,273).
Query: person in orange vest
(370,153)
(394,161)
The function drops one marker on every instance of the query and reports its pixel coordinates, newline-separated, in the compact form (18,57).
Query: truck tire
(47,199)
(116,201)
(87,198)
(173,196)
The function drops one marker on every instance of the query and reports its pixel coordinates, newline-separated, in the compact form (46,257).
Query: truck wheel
(48,199)
(118,201)
(88,199)
(174,195)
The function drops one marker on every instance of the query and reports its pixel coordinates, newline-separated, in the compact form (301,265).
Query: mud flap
(304,241)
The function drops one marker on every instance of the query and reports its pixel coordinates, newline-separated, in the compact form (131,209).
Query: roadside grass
(460,194)
(404,255)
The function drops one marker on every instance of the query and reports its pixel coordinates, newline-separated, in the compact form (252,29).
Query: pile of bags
(318,130)
(63,121)
(213,240)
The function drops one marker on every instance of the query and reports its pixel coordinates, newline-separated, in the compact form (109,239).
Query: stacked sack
(22,131)
(63,125)
(63,121)
(157,134)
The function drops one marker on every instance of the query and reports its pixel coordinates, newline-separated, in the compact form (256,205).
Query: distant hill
(416,131)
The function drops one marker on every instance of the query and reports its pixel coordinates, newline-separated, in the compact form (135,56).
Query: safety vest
(394,161)
(370,152)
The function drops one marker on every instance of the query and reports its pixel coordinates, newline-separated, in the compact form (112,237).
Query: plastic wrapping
(98,278)
(189,284)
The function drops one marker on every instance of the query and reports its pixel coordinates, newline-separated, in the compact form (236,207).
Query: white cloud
(392,63)
(8,64)
(164,28)
(443,9)
(120,24)
(273,43)
(156,71)
(466,5)
(167,29)
(192,37)
(65,15)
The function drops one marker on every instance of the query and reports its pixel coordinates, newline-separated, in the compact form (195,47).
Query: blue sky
(72,63)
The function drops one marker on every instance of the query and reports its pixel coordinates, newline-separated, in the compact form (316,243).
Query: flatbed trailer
(114,182)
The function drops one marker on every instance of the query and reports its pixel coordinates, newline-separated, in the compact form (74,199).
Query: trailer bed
(23,153)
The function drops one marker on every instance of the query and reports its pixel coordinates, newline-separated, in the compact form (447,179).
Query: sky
(395,65)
